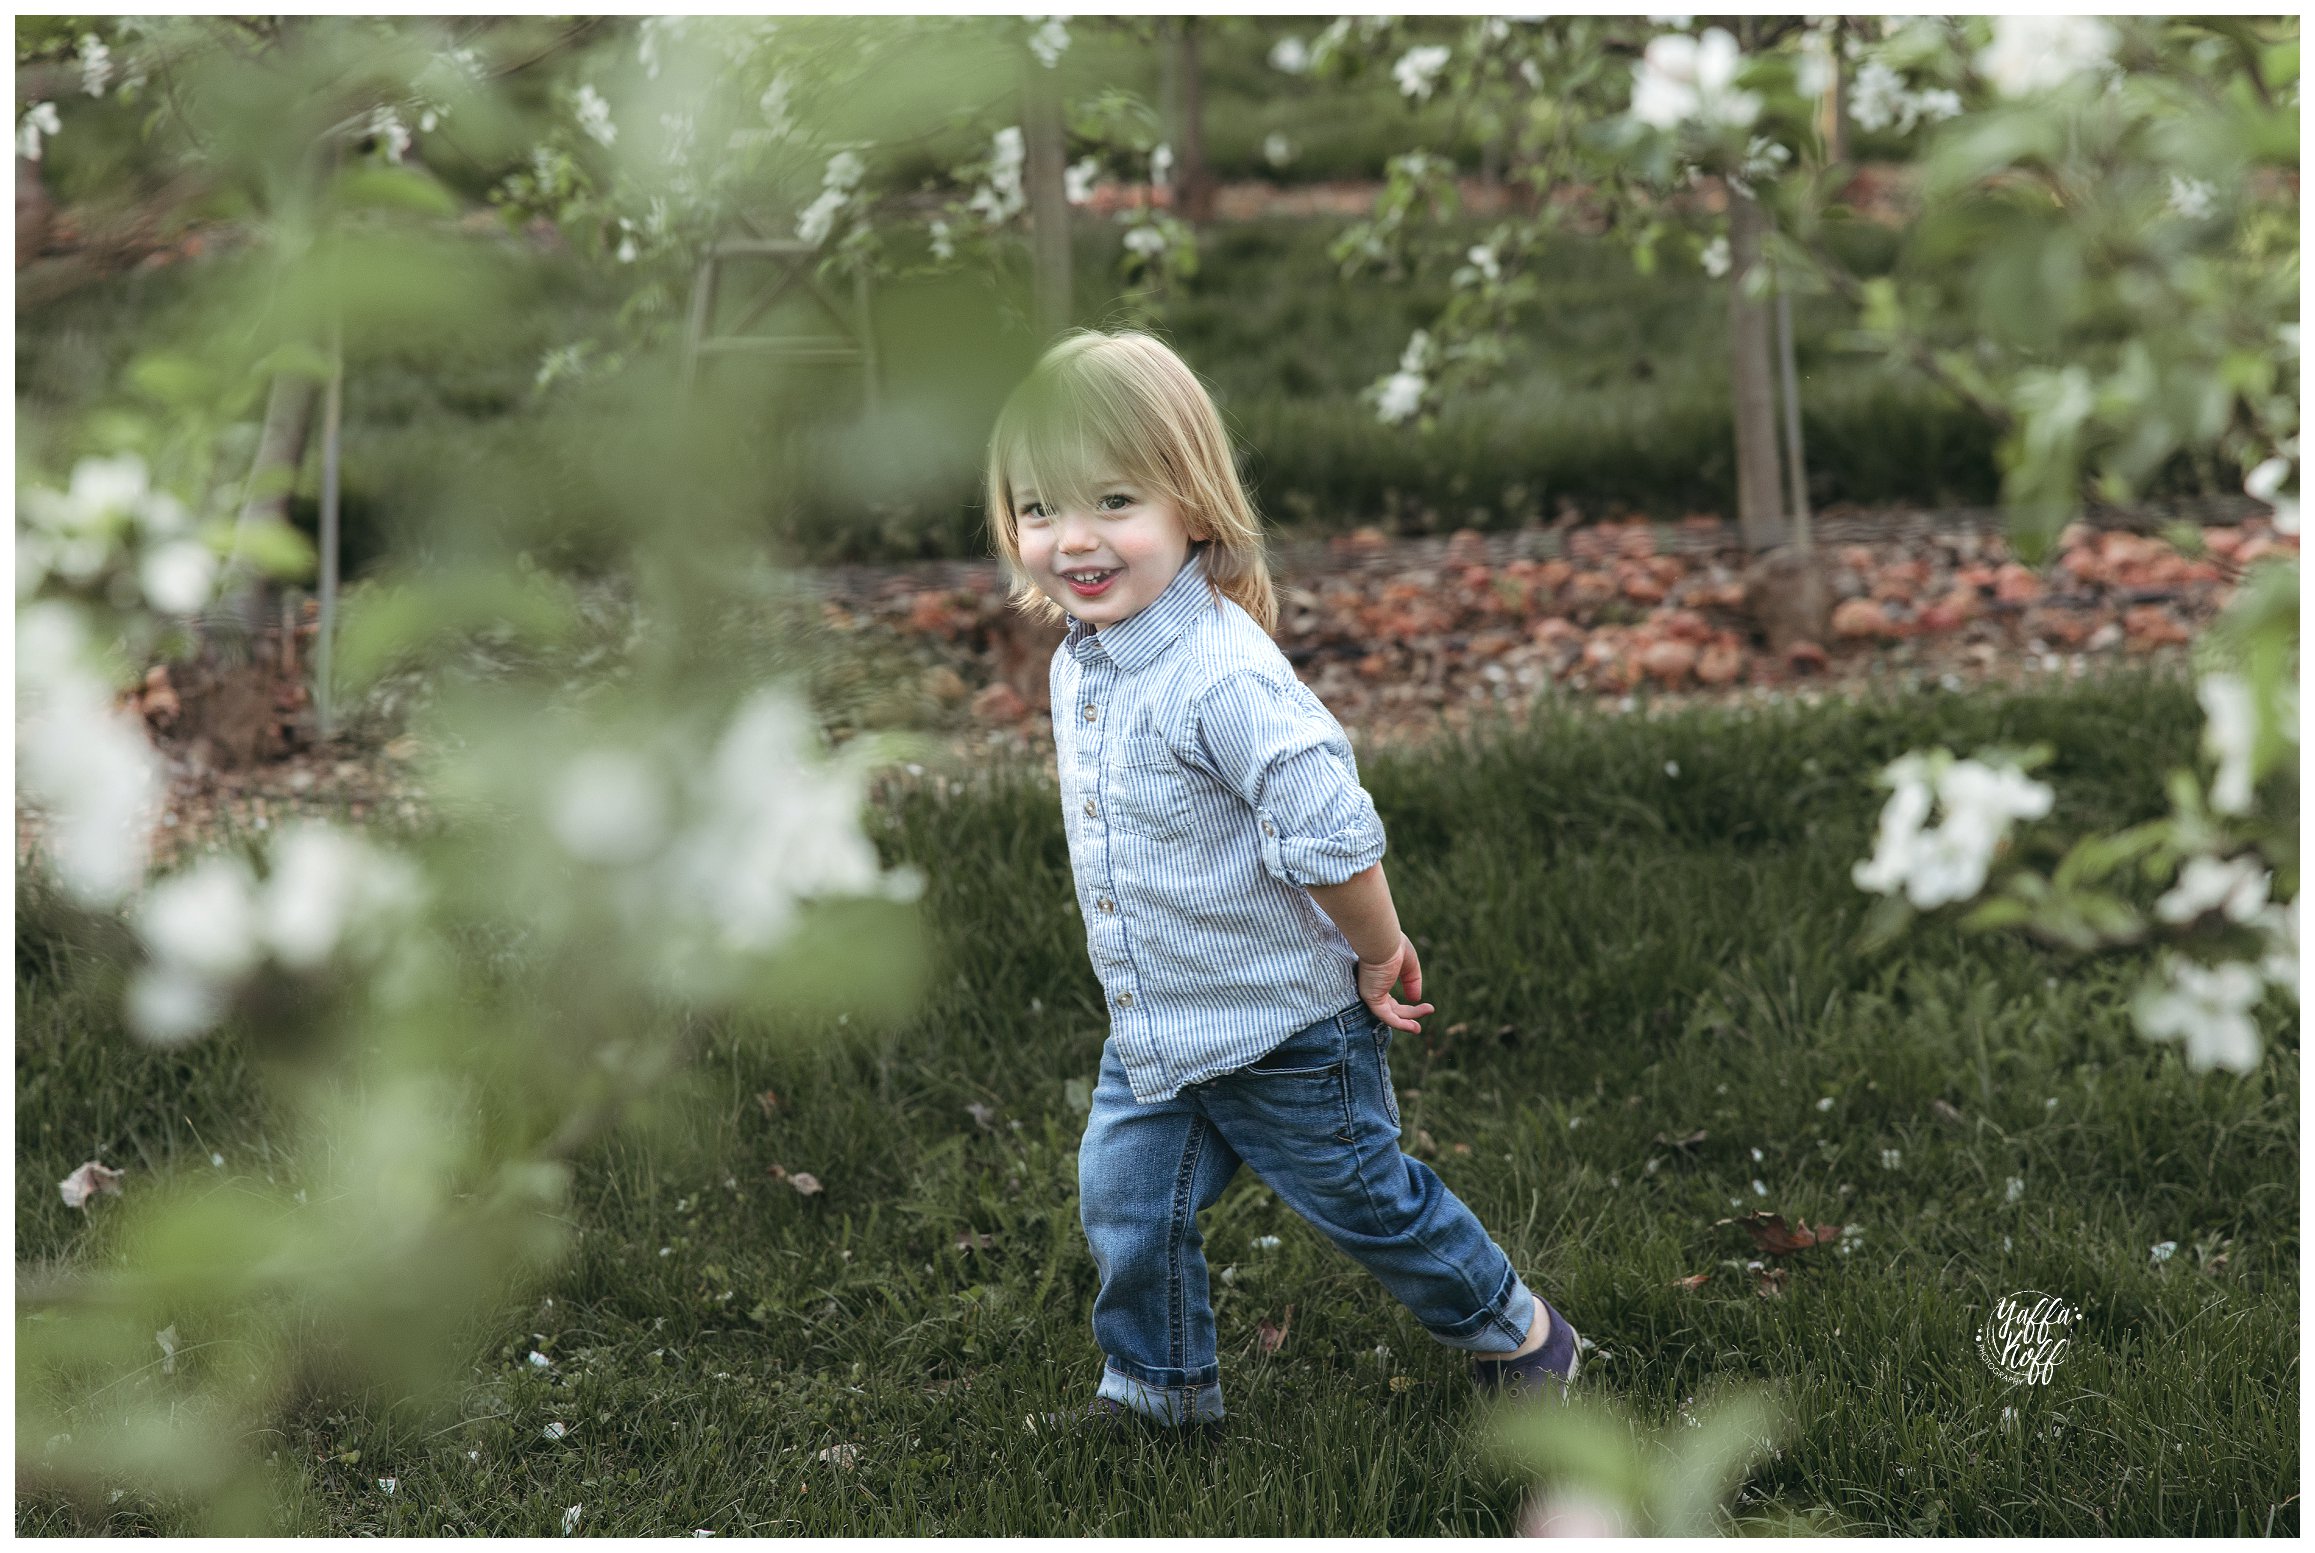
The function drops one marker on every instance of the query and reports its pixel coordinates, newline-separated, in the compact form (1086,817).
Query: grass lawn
(1646,926)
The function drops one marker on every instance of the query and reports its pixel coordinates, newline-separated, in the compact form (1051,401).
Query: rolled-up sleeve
(1315,824)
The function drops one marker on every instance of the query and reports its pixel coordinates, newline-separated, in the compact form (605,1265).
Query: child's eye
(1123,501)
(1034,512)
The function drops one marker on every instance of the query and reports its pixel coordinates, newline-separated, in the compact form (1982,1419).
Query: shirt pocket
(1148,794)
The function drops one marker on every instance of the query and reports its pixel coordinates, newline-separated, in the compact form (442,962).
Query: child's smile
(1104,561)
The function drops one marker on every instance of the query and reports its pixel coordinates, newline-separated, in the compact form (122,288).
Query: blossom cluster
(328,895)
(1979,803)
(1690,80)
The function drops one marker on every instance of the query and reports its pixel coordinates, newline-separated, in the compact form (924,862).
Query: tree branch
(1916,350)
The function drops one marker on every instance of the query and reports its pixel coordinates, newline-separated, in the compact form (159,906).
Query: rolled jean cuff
(1500,1328)
(1167,1404)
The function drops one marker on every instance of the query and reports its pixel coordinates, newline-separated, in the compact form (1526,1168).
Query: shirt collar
(1139,638)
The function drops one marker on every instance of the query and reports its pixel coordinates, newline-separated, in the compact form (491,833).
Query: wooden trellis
(850,339)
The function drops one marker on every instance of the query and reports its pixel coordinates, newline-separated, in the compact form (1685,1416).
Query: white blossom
(177,576)
(944,247)
(1147,241)
(86,765)
(2280,964)
(1482,258)
(1682,79)
(818,219)
(168,1005)
(1417,71)
(203,920)
(2191,199)
(2229,734)
(1715,257)
(609,806)
(1417,355)
(2207,1007)
(96,64)
(1077,179)
(2039,53)
(594,116)
(1050,41)
(2265,483)
(38,121)
(392,135)
(2236,885)
(1290,54)
(1813,66)
(1979,804)
(1001,198)
(1277,150)
(1401,396)
(325,885)
(1161,163)
(571,1518)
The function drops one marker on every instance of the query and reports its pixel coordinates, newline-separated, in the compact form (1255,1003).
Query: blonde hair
(1123,398)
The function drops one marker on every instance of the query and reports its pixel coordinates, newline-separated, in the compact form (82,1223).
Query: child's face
(1105,562)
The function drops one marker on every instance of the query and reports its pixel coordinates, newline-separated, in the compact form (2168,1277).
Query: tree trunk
(240,609)
(1048,199)
(1759,499)
(1193,183)
(1833,115)
(35,211)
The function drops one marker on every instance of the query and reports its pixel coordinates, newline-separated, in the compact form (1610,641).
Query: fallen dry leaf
(1692,1282)
(975,1240)
(984,1115)
(803,1181)
(87,1182)
(1272,1338)
(1771,1281)
(1947,1111)
(1774,1237)
(1689,1142)
(845,1457)
(768,1102)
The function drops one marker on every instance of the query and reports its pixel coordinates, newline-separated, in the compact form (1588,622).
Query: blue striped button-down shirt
(1204,788)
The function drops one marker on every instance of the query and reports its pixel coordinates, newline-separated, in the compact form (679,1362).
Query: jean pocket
(1306,1052)
(1382,1040)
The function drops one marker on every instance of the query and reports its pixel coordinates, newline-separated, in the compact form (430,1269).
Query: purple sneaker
(1549,1371)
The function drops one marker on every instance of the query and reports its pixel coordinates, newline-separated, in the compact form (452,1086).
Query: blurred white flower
(168,1005)
(1681,79)
(1892,1158)
(594,115)
(88,767)
(2162,1250)
(1980,803)
(819,217)
(1715,257)
(609,806)
(204,919)
(571,1518)
(1418,69)
(2014,1189)
(2191,199)
(38,122)
(2229,734)
(1290,54)
(326,883)
(1161,163)
(2280,964)
(1265,1242)
(177,576)
(1077,179)
(944,247)
(844,171)
(1482,258)
(1001,198)
(2207,1007)
(392,135)
(1148,241)
(2038,53)
(2265,483)
(96,64)
(2237,884)
(1400,397)
(1882,99)
(1813,66)
(1572,1512)
(1277,150)
(1050,41)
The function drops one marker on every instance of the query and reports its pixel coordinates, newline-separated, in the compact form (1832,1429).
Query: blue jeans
(1317,1120)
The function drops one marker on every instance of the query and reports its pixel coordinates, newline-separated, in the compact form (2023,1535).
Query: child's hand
(1377,977)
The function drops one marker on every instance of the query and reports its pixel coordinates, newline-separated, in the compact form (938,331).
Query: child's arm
(1361,907)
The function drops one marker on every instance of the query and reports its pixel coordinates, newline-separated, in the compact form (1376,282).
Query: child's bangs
(1063,441)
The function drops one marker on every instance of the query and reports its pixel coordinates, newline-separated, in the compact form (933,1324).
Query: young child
(1228,867)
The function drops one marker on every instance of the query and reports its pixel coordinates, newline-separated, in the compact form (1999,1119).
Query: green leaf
(1890,916)
(395,188)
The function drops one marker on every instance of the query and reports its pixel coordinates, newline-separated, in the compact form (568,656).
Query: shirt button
(1091,711)
(1106,904)
(1125,1000)
(1267,830)
(1091,812)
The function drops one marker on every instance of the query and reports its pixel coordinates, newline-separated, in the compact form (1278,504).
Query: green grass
(1659,953)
